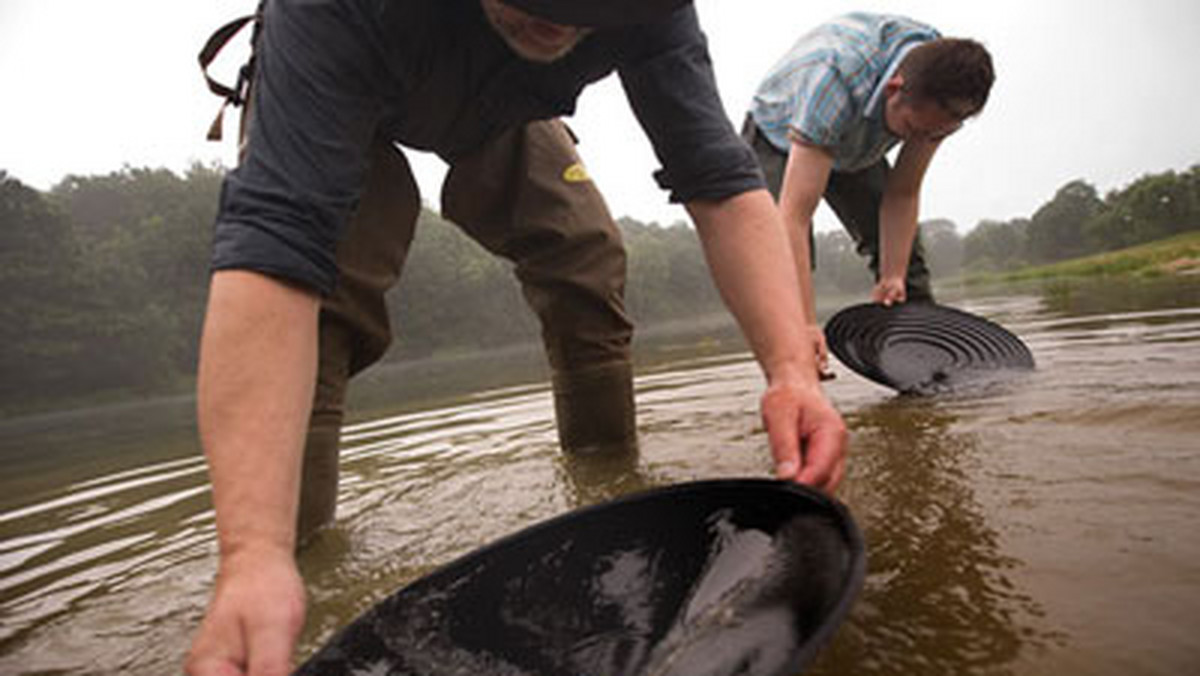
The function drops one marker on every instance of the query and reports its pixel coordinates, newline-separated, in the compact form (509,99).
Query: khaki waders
(526,197)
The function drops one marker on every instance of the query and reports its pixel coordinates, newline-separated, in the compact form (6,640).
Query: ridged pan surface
(923,348)
(707,578)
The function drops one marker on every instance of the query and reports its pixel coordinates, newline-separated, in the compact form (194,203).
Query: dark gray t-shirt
(433,75)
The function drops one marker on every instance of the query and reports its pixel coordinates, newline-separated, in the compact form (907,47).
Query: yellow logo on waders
(576,174)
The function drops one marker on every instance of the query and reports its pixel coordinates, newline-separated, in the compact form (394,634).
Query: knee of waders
(594,410)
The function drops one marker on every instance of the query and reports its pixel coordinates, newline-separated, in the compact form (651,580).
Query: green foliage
(1150,208)
(35,249)
(105,277)
(142,235)
(1056,229)
(105,280)
(1077,222)
(943,247)
(996,245)
(667,275)
(840,270)
(1174,255)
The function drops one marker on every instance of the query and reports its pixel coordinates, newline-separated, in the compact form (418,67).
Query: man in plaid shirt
(824,118)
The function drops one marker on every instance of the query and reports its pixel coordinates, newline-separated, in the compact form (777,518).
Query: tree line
(104,278)
(1077,221)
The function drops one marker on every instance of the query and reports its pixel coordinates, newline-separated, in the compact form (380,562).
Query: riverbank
(1179,255)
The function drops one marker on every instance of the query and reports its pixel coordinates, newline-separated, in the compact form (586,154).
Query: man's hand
(816,337)
(807,436)
(253,620)
(889,291)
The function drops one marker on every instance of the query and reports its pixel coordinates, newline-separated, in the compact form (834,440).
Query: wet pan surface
(923,348)
(708,577)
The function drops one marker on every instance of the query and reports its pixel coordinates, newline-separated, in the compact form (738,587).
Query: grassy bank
(1178,255)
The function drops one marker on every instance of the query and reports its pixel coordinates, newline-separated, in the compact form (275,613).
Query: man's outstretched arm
(257,368)
(898,216)
(804,181)
(750,258)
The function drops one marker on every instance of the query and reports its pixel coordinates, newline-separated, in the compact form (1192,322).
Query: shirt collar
(877,96)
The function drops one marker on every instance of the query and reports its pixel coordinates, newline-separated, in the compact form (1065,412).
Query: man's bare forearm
(257,368)
(897,231)
(799,226)
(804,182)
(900,207)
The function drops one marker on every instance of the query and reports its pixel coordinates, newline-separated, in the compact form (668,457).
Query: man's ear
(894,85)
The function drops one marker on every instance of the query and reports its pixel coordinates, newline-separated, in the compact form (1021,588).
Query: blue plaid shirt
(828,89)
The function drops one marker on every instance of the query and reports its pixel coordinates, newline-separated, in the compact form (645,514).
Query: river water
(1046,526)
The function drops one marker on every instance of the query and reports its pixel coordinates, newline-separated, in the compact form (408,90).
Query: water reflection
(1091,296)
(939,598)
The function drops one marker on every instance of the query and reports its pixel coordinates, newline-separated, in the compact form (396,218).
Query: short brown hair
(955,73)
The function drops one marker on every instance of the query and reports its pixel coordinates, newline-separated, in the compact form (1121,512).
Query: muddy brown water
(1048,525)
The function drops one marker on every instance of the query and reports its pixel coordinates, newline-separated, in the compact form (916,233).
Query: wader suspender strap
(236,94)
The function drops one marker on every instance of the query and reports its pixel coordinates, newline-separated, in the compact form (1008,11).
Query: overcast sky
(1101,90)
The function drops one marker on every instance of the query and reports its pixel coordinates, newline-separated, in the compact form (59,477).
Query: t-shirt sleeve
(312,117)
(822,106)
(668,78)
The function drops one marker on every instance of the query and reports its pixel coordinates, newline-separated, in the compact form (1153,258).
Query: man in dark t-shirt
(315,222)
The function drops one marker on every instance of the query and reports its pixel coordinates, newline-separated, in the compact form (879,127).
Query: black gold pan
(708,578)
(923,348)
